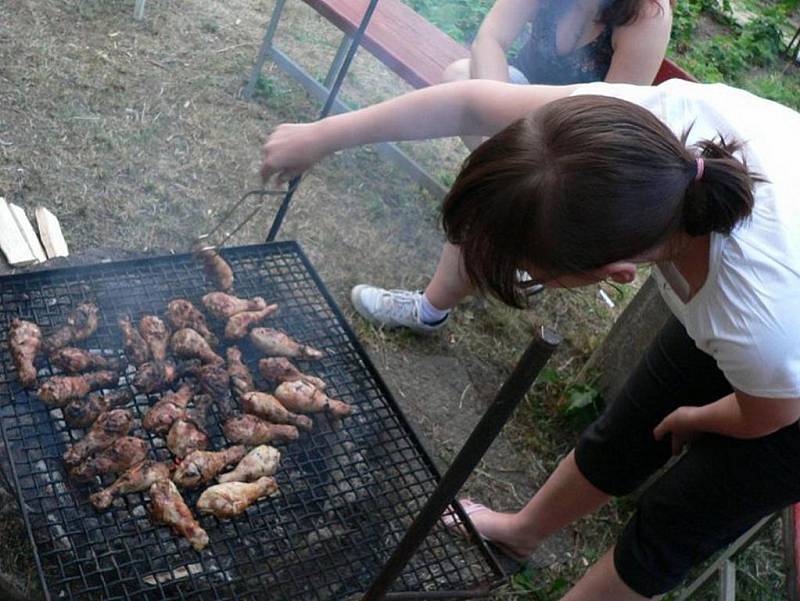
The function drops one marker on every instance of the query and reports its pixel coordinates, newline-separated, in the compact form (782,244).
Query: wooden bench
(399,37)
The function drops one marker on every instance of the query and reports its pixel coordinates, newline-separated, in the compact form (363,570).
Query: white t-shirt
(747,314)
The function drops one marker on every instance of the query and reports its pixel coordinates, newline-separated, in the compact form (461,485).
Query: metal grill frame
(325,429)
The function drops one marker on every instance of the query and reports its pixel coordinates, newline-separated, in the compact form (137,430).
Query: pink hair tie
(700,166)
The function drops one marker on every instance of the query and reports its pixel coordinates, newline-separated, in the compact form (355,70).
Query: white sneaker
(391,308)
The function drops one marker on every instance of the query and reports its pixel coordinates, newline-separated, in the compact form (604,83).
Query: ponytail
(722,197)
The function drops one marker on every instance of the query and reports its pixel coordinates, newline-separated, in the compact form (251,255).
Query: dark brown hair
(622,12)
(583,182)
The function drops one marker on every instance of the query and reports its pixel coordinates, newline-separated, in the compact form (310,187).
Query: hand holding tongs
(199,244)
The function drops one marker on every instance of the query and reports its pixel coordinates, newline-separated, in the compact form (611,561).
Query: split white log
(50,233)
(25,226)
(12,242)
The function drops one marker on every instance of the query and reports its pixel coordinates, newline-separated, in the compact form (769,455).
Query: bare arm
(476,107)
(737,415)
(640,46)
(497,32)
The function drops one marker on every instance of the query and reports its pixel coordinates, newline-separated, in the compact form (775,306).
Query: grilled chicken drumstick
(123,453)
(172,406)
(75,360)
(168,507)
(238,325)
(81,323)
(275,342)
(156,334)
(251,431)
(230,499)
(280,369)
(269,408)
(217,269)
(216,383)
(261,461)
(303,397)
(241,380)
(224,306)
(81,413)
(108,427)
(198,467)
(181,313)
(25,340)
(189,344)
(153,376)
(57,391)
(138,478)
(189,433)
(135,346)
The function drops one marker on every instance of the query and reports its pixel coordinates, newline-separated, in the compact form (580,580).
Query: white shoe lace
(400,306)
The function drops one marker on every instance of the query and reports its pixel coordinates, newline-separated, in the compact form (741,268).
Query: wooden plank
(24,225)
(50,233)
(403,40)
(12,242)
(669,70)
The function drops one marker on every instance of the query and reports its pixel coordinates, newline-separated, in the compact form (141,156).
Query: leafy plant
(460,19)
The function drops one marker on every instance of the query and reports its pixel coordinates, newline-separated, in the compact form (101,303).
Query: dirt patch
(135,135)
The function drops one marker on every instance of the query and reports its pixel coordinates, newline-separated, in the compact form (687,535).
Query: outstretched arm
(476,107)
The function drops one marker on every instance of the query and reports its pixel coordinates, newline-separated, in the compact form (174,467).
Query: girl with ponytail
(584,183)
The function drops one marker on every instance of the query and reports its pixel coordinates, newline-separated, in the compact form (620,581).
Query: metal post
(336,63)
(356,42)
(138,10)
(506,401)
(266,44)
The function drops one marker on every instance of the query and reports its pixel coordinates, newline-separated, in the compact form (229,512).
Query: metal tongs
(200,245)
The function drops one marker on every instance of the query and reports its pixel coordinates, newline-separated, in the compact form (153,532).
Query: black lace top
(539,59)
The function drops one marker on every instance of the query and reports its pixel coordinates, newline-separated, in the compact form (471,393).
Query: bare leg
(601,583)
(460,71)
(449,284)
(566,496)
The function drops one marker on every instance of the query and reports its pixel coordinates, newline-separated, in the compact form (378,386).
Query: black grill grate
(347,491)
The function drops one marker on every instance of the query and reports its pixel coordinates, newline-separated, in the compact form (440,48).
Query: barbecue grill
(348,491)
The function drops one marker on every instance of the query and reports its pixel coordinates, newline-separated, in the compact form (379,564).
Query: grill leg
(530,364)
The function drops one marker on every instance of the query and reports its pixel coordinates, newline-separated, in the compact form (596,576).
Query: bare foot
(502,529)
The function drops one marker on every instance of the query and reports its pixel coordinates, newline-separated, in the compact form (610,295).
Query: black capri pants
(718,489)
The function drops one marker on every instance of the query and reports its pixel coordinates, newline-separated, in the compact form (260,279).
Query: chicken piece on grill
(172,406)
(251,430)
(184,437)
(302,397)
(181,313)
(156,334)
(275,342)
(238,325)
(189,434)
(241,379)
(269,408)
(57,391)
(107,428)
(81,413)
(154,376)
(198,467)
(224,306)
(280,369)
(261,461)
(123,453)
(230,499)
(215,382)
(217,269)
(81,323)
(136,479)
(75,360)
(135,347)
(168,507)
(25,340)
(189,344)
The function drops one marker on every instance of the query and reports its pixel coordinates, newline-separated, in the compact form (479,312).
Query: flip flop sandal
(452,521)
